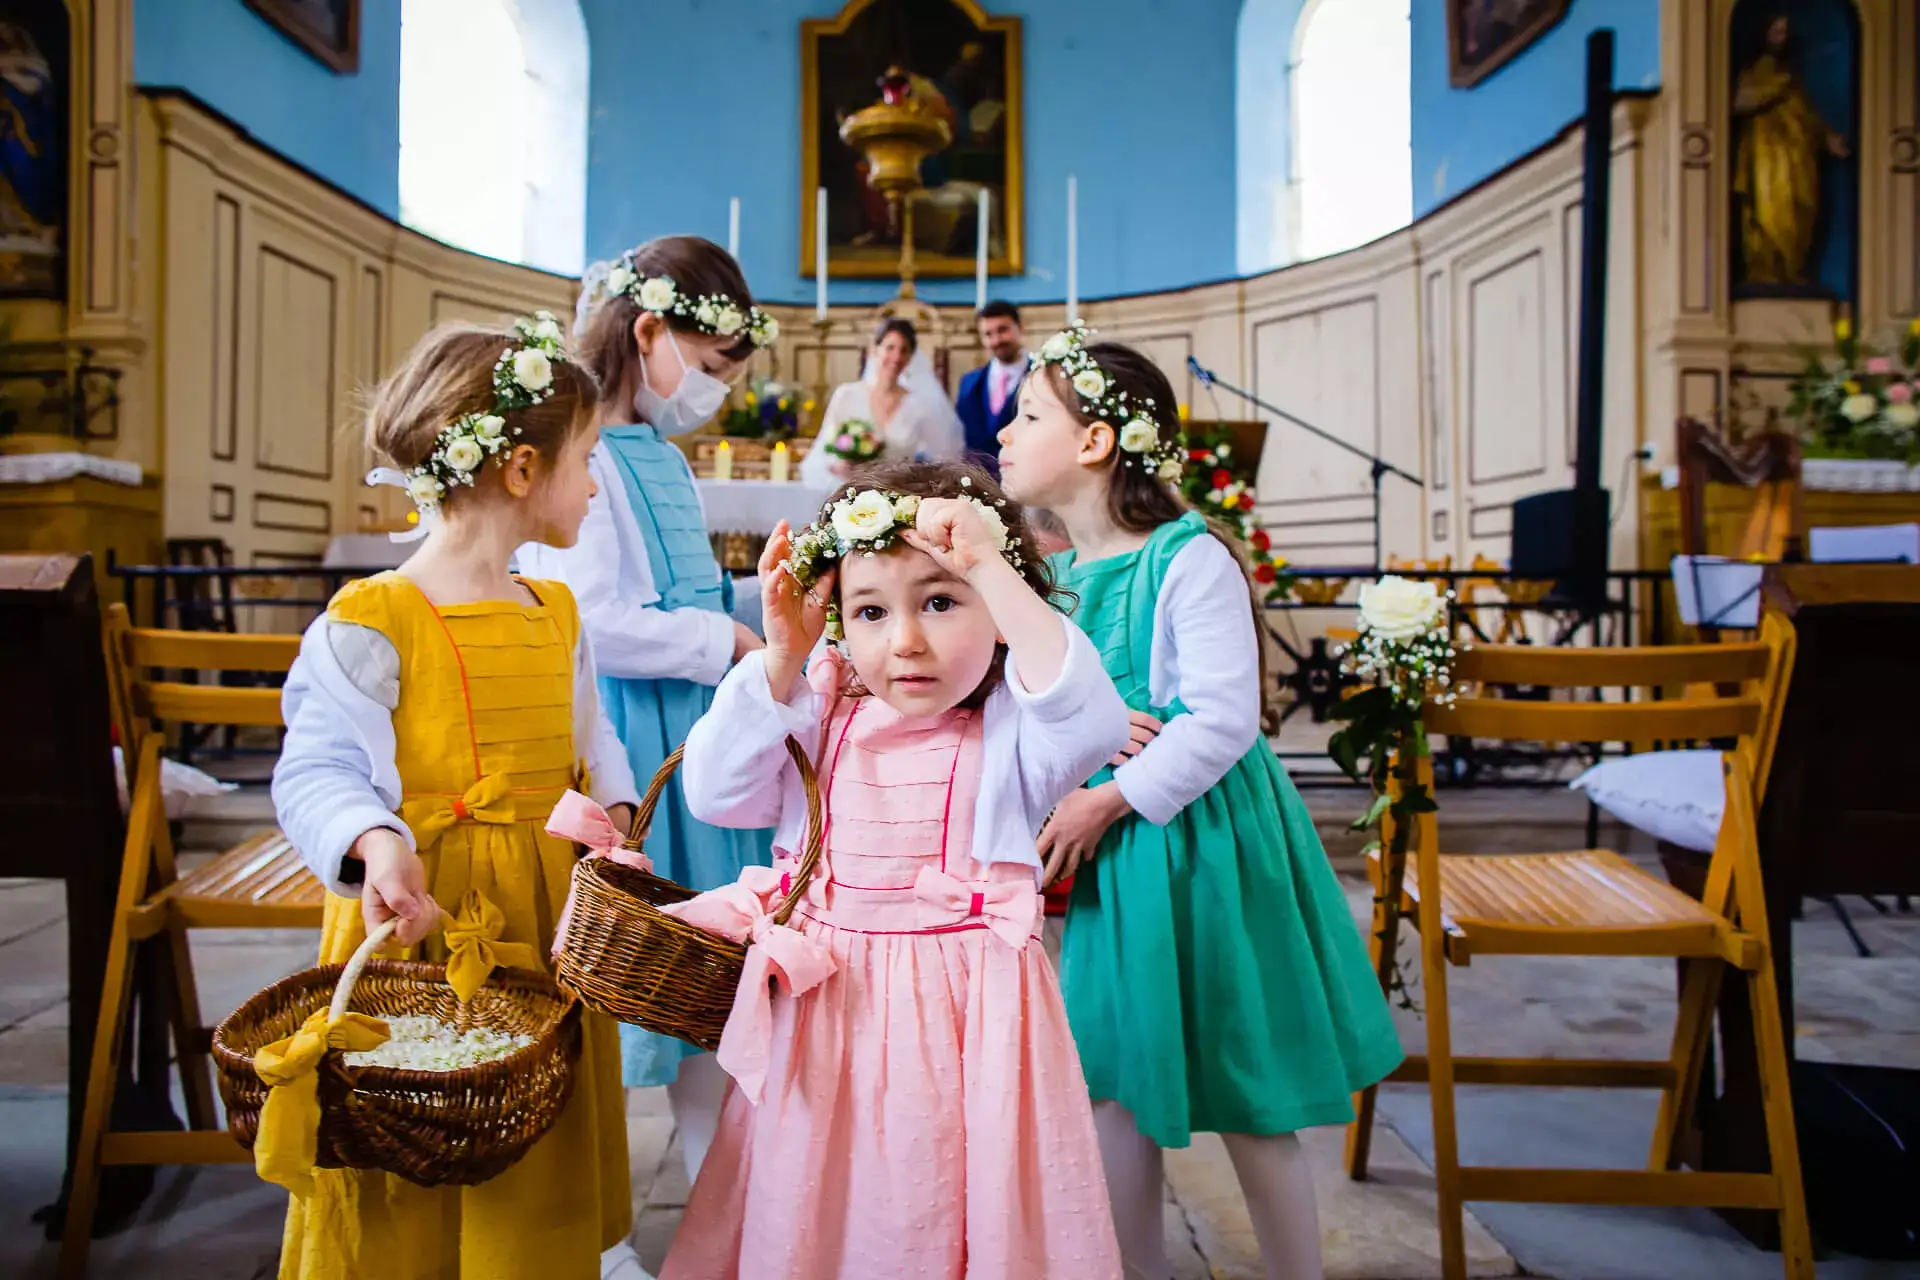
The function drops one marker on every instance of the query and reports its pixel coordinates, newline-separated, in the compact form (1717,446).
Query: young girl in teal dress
(1214,978)
(664,328)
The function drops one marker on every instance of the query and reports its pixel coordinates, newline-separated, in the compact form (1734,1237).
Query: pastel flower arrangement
(1862,402)
(1216,484)
(768,410)
(854,442)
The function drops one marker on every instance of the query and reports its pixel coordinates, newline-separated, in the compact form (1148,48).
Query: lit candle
(820,253)
(733,228)
(980,253)
(1073,249)
(777,465)
(723,461)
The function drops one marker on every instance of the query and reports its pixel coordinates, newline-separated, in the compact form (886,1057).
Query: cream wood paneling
(280,303)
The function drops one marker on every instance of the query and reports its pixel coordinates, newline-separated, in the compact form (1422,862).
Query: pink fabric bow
(740,912)
(1007,907)
(579,819)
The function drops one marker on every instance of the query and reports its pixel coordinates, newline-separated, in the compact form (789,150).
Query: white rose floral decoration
(714,314)
(1140,437)
(522,377)
(867,522)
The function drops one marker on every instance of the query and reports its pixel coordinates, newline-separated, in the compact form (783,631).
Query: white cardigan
(1038,748)
(607,569)
(337,780)
(1206,653)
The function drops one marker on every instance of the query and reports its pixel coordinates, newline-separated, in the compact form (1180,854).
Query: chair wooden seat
(1593,902)
(1587,902)
(260,884)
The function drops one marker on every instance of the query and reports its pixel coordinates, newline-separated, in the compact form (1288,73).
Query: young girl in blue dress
(1213,975)
(665,328)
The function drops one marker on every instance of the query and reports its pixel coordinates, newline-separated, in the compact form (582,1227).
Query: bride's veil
(929,399)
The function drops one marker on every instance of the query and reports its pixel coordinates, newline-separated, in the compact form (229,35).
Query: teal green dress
(1214,977)
(653,717)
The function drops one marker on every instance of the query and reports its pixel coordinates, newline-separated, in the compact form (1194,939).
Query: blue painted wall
(344,128)
(1464,136)
(695,101)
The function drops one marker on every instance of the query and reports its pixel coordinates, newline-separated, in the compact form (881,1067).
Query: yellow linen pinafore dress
(483,738)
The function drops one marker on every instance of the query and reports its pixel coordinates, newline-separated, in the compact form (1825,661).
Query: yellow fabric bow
(474,948)
(488,800)
(288,1143)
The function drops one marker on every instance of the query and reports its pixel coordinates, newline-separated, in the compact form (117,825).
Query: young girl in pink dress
(908,1100)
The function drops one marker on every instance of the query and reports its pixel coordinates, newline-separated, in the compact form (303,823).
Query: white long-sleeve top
(337,780)
(611,578)
(1206,653)
(1038,747)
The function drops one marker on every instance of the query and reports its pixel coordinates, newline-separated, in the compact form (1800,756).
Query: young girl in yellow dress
(435,715)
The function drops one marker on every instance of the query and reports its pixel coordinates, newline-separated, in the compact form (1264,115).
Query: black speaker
(1563,535)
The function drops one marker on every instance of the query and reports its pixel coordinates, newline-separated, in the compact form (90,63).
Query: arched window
(493,127)
(1352,125)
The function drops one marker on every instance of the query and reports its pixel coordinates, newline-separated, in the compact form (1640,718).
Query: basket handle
(356,963)
(810,845)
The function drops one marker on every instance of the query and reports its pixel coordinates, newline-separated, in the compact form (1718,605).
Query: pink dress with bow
(909,1102)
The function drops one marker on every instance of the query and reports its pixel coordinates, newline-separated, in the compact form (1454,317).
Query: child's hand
(396,885)
(952,532)
(1145,730)
(794,618)
(745,641)
(1076,827)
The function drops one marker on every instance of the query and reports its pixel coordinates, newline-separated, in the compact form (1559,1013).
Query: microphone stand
(1379,466)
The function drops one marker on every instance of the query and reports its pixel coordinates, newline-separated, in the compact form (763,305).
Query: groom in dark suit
(989,395)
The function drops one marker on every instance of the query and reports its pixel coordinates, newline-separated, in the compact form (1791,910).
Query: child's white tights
(1274,1178)
(696,1096)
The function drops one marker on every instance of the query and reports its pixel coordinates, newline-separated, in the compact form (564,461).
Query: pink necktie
(998,385)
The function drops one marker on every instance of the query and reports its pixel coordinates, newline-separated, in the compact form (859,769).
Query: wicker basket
(432,1128)
(628,959)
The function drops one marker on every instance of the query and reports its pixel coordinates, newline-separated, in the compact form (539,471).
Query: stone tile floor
(216,1223)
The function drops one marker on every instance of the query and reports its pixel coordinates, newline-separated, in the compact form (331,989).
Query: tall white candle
(980,252)
(733,228)
(820,253)
(1073,249)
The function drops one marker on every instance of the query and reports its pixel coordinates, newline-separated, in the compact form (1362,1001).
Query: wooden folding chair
(1595,903)
(259,884)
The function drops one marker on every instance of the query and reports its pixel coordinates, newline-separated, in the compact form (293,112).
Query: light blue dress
(653,717)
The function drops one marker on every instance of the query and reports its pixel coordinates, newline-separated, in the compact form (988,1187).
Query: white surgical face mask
(697,398)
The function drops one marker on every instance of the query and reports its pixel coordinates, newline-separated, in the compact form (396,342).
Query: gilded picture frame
(969,62)
(329,30)
(1485,35)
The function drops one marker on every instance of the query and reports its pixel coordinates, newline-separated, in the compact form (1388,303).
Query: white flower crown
(714,314)
(522,378)
(1139,432)
(867,522)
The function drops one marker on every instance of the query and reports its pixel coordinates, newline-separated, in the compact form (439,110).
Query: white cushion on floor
(1676,796)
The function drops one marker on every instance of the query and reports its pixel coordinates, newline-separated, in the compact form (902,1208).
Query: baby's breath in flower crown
(1138,430)
(522,378)
(715,314)
(867,522)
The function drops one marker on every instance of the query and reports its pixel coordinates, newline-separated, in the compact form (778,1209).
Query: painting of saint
(961,65)
(33,160)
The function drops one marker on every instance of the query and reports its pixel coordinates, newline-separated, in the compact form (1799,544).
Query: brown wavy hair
(1139,501)
(449,374)
(962,480)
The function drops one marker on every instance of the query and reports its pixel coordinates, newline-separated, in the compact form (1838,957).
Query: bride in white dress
(900,395)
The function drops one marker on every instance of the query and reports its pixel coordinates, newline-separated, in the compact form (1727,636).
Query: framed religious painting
(327,29)
(1485,35)
(34,85)
(952,60)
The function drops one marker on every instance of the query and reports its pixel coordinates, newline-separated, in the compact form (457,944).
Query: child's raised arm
(952,532)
